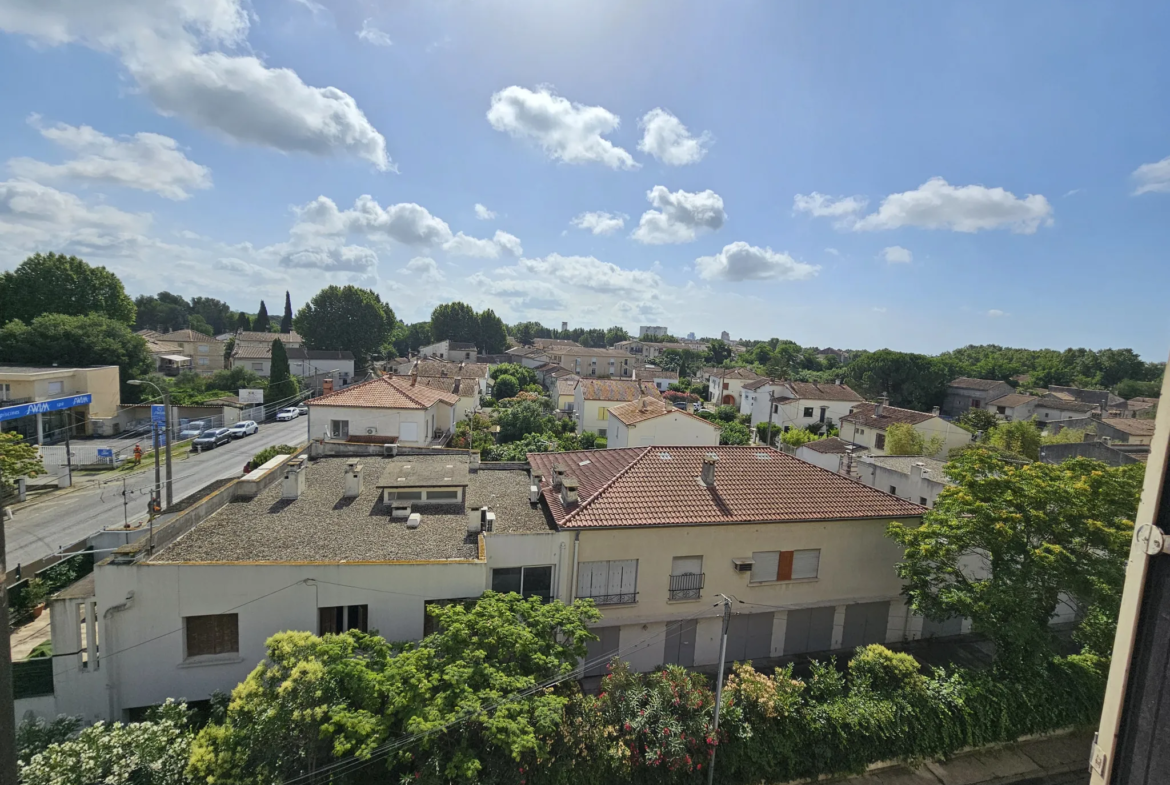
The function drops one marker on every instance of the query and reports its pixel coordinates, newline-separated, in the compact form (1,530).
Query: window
(785,565)
(342,618)
(726,385)
(5,392)
(56,388)
(339,429)
(922,501)
(406,496)
(603,413)
(601,432)
(467,355)
(808,411)
(211,635)
(879,441)
(974,403)
(437,495)
(205,361)
(686,577)
(775,408)
(894,490)
(608,582)
(257,366)
(1001,409)
(203,348)
(525,581)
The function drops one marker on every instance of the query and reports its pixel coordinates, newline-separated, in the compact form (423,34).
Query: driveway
(49,523)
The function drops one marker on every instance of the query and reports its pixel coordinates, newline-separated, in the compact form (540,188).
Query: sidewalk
(1055,760)
(26,638)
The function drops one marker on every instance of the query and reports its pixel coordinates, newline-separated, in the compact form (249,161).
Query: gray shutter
(805,564)
(765,566)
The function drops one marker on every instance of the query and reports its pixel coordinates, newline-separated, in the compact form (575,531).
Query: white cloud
(170,48)
(742,262)
(680,216)
(34,217)
(407,223)
(424,269)
(599,223)
(482,213)
(508,242)
(146,161)
(896,254)
(1153,178)
(819,205)
(667,139)
(520,293)
(332,258)
(590,273)
(464,245)
(833,251)
(250,272)
(566,131)
(995,312)
(372,35)
(969,208)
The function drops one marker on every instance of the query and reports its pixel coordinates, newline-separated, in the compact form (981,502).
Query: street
(45,525)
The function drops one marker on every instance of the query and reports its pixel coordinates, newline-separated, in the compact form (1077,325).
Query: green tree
(78,340)
(795,437)
(216,313)
(199,324)
(1002,544)
(455,322)
(975,420)
(523,375)
(18,458)
(525,333)
(286,321)
(767,433)
(493,334)
(346,318)
(281,385)
(903,439)
(616,334)
(55,283)
(726,413)
(165,312)
(519,420)
(718,352)
(243,321)
(409,338)
(1021,437)
(734,433)
(261,323)
(1132,388)
(913,381)
(470,693)
(593,338)
(505,386)
(1067,436)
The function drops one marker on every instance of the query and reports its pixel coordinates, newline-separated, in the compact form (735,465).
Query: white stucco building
(648,421)
(868,423)
(796,404)
(387,406)
(593,398)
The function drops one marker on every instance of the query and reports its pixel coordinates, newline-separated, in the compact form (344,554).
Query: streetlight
(166,396)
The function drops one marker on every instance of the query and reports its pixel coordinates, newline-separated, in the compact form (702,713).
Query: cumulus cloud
(896,254)
(742,262)
(1153,178)
(818,205)
(35,216)
(146,161)
(587,272)
(599,223)
(372,35)
(424,269)
(680,216)
(332,259)
(464,245)
(667,139)
(565,131)
(172,50)
(521,293)
(482,213)
(250,272)
(995,312)
(936,204)
(407,222)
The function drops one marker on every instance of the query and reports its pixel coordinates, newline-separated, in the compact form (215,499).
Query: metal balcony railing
(626,598)
(687,587)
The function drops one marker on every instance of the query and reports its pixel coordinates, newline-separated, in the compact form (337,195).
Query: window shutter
(784,566)
(765,566)
(806,564)
(623,576)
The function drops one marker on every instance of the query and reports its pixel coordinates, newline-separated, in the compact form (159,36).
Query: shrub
(268,453)
(588,440)
(487,402)
(505,386)
(734,433)
(600,443)
(726,413)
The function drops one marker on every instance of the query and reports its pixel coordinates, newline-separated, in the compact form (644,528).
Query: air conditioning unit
(534,493)
(743,565)
(389,450)
(489,522)
(371,431)
(400,510)
(414,521)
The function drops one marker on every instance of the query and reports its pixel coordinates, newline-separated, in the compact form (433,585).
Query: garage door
(601,651)
(680,643)
(809,629)
(408,432)
(865,623)
(749,636)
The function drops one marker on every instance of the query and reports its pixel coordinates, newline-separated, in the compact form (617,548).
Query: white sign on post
(251,396)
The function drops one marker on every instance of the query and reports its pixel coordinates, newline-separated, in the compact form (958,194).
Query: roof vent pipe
(708,475)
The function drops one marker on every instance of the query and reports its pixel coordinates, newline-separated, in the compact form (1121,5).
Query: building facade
(389,406)
(44,403)
(966,393)
(652,421)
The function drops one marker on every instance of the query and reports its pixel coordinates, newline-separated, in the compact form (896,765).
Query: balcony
(687,587)
(626,598)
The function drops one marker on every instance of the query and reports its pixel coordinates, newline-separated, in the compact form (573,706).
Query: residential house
(653,421)
(660,533)
(966,393)
(868,423)
(1102,399)
(291,340)
(479,372)
(256,357)
(168,357)
(1126,430)
(466,387)
(1097,449)
(662,379)
(911,477)
(44,403)
(206,351)
(832,453)
(1050,408)
(566,393)
(612,363)
(725,385)
(312,363)
(529,356)
(593,398)
(388,406)
(650,350)
(452,351)
(796,404)
(547,374)
(1014,406)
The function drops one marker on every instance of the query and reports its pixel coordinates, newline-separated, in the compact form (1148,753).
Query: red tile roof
(1012,400)
(660,486)
(617,389)
(387,392)
(967,383)
(649,408)
(862,415)
(824,392)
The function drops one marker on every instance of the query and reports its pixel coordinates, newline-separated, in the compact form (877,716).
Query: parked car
(193,429)
(303,409)
(243,428)
(212,438)
(291,413)
(680,405)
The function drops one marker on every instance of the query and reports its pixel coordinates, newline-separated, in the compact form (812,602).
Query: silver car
(243,428)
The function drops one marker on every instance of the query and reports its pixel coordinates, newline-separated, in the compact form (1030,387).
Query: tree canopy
(261,323)
(281,385)
(18,458)
(903,439)
(55,283)
(493,333)
(455,322)
(346,318)
(913,381)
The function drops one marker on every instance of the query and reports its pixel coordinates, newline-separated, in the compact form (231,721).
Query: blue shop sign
(44,407)
(158,414)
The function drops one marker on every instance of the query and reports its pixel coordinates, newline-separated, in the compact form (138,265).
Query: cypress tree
(280,383)
(260,325)
(286,320)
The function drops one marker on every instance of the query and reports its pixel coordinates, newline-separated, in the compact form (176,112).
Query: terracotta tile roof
(832,446)
(757,384)
(247,336)
(190,336)
(862,415)
(566,385)
(149,334)
(464,388)
(251,351)
(387,392)
(659,486)
(649,408)
(1052,402)
(737,373)
(658,373)
(617,389)
(967,383)
(443,368)
(1014,399)
(1130,426)
(824,392)
(156,346)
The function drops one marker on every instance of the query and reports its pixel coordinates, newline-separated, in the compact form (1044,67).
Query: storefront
(48,422)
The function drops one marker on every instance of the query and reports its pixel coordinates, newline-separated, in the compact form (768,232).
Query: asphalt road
(43,526)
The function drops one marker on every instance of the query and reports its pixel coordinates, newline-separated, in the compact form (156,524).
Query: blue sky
(912,175)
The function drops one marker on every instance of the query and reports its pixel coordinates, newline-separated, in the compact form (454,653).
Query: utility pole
(8,771)
(719,687)
(157,478)
(167,421)
(166,396)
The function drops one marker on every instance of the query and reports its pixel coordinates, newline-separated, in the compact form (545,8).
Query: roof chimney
(708,475)
(569,492)
(558,475)
(916,470)
(837,381)
(641,403)
(353,479)
(293,484)
(879,407)
(414,377)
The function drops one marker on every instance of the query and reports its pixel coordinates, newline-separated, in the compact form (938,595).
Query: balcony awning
(176,358)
